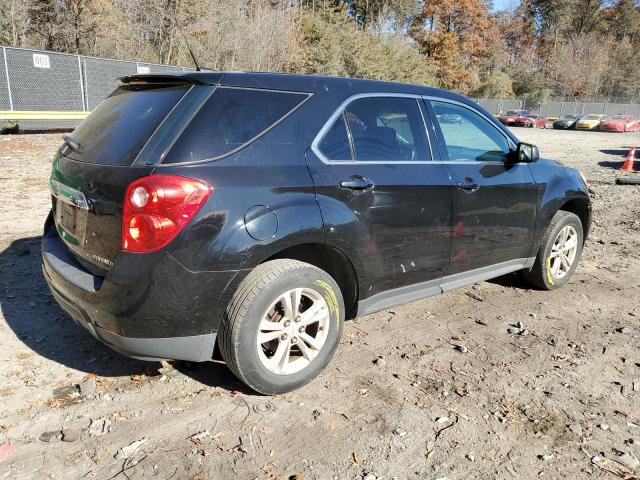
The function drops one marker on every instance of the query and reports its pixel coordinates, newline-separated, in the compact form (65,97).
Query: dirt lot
(398,401)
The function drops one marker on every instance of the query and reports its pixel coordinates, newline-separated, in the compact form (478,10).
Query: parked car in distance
(510,116)
(620,123)
(591,121)
(531,121)
(567,122)
(450,118)
(248,215)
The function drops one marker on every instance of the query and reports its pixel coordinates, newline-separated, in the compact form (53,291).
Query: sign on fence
(41,61)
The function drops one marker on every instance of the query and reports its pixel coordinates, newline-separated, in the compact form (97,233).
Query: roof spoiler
(155,79)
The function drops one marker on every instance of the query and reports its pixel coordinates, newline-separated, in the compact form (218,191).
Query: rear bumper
(196,348)
(148,307)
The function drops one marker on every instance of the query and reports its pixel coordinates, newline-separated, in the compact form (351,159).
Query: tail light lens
(157,207)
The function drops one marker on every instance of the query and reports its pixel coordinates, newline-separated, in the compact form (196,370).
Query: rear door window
(387,129)
(230,119)
(121,124)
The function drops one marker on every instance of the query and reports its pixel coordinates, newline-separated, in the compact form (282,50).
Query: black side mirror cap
(526,152)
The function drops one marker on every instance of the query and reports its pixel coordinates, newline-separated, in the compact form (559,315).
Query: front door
(494,198)
(383,201)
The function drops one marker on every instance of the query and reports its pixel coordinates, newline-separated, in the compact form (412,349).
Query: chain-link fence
(36,80)
(557,109)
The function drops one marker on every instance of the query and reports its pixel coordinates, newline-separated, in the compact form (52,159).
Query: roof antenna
(193,57)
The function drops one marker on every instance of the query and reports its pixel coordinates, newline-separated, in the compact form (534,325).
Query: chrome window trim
(510,141)
(339,111)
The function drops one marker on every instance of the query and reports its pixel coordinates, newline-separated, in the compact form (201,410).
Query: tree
(452,34)
(367,56)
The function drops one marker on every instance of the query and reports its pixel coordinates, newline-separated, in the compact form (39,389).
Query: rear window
(118,128)
(231,118)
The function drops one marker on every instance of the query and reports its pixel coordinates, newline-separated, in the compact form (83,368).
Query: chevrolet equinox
(252,213)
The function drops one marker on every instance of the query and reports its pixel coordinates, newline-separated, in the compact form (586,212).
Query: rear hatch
(91,171)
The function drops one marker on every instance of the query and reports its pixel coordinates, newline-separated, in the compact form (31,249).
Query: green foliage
(535,98)
(367,56)
(498,85)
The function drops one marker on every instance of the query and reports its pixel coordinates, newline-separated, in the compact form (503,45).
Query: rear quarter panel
(270,174)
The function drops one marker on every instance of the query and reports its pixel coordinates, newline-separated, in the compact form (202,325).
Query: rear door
(494,200)
(383,201)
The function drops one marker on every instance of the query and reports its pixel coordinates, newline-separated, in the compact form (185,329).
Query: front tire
(559,252)
(282,326)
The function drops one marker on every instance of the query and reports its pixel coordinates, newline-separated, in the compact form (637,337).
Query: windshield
(569,117)
(617,117)
(592,117)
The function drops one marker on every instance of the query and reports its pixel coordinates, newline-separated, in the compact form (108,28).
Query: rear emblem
(102,260)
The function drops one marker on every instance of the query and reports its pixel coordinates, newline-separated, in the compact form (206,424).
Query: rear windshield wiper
(72,144)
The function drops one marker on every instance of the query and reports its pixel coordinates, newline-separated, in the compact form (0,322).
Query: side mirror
(527,153)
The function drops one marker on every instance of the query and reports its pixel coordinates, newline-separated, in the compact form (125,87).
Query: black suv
(256,212)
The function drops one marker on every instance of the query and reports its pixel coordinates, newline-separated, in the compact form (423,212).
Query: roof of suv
(299,82)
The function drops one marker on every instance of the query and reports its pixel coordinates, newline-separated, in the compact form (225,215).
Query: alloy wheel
(563,252)
(293,331)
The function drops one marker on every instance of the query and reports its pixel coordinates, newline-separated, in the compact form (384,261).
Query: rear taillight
(157,207)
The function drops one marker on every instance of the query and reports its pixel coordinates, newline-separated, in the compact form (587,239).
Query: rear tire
(559,252)
(270,305)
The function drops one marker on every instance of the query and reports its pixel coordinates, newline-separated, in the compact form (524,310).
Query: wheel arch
(333,261)
(580,207)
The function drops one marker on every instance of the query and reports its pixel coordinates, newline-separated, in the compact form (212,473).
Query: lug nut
(284,336)
(287,323)
(301,329)
(294,340)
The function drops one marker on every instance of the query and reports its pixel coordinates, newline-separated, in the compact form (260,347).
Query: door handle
(469,186)
(356,183)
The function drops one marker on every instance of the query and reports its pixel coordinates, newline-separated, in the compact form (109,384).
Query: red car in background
(531,121)
(509,117)
(620,123)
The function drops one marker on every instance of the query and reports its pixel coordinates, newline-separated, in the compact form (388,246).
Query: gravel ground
(398,400)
